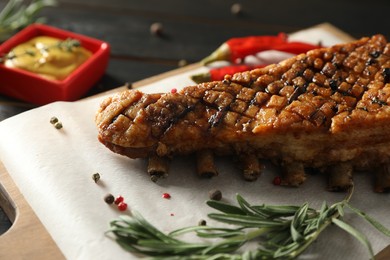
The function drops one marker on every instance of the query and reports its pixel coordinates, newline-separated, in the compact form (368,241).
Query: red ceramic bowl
(30,87)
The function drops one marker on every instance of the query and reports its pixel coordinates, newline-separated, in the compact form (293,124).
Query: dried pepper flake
(118,200)
(122,206)
(277,181)
(96,177)
(166,196)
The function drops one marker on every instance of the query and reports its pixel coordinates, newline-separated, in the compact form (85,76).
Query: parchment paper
(53,170)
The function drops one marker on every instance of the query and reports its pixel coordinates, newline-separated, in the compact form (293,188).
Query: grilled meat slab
(326,109)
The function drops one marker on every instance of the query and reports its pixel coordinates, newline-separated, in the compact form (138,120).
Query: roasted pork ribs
(328,109)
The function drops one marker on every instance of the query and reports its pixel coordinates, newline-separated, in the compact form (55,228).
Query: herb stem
(283,232)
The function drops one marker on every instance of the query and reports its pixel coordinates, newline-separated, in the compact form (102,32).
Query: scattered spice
(122,206)
(202,222)
(156,29)
(53,120)
(118,200)
(96,177)
(172,214)
(277,180)
(236,9)
(109,199)
(129,85)
(182,63)
(166,196)
(58,125)
(215,194)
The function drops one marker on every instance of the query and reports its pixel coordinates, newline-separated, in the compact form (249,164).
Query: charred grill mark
(297,92)
(174,120)
(386,75)
(216,118)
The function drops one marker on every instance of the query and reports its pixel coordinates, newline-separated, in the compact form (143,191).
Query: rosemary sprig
(17,15)
(283,232)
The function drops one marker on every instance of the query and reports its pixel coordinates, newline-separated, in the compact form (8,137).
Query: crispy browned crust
(327,106)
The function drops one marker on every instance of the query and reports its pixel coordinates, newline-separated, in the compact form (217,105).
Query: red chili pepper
(219,73)
(242,47)
(238,48)
(295,47)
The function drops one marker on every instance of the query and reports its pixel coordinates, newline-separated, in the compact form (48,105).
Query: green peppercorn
(96,177)
(58,125)
(109,199)
(53,120)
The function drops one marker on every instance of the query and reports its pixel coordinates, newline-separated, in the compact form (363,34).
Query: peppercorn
(122,206)
(58,125)
(236,9)
(277,181)
(118,200)
(182,63)
(156,29)
(129,85)
(96,177)
(53,120)
(202,222)
(109,199)
(215,194)
(166,195)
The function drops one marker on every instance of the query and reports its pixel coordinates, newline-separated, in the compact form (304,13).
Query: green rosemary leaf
(225,208)
(297,221)
(355,233)
(219,232)
(285,251)
(17,14)
(284,233)
(369,219)
(245,206)
(245,221)
(274,211)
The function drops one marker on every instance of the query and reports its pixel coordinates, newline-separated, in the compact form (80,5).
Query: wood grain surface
(27,238)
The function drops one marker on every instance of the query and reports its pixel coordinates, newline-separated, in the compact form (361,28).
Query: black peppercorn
(202,222)
(156,29)
(96,177)
(215,194)
(109,199)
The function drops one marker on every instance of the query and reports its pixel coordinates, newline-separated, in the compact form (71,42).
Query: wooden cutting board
(28,238)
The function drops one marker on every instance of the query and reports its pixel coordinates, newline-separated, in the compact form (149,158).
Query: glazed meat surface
(327,109)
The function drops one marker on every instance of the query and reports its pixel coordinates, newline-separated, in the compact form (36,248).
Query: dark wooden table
(190,31)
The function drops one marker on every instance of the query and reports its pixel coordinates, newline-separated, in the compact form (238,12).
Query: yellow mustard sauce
(49,57)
